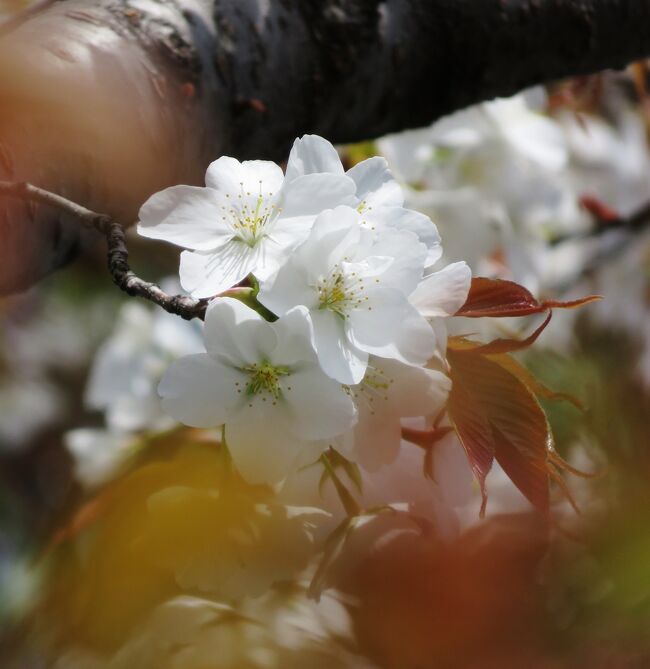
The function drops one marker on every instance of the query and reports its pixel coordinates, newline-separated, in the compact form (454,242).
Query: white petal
(413,391)
(313,193)
(335,232)
(186,216)
(205,274)
(375,184)
(235,334)
(377,440)
(391,328)
(287,288)
(443,293)
(338,357)
(415,342)
(231,177)
(408,254)
(263,450)
(198,391)
(413,221)
(320,408)
(439,328)
(294,339)
(312,154)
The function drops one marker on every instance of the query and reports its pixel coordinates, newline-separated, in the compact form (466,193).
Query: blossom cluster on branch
(329,346)
(317,414)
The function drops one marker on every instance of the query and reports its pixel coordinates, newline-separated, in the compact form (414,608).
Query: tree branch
(635,222)
(118,254)
(615,232)
(111,100)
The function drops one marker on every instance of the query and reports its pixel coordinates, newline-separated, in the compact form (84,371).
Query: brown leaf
(532,383)
(499,298)
(499,346)
(497,416)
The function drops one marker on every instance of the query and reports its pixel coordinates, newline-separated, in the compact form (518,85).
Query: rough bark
(110,100)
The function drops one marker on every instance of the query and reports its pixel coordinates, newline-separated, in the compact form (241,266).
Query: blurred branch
(636,222)
(614,231)
(181,82)
(118,254)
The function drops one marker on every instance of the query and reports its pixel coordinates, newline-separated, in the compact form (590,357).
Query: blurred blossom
(129,365)
(283,630)
(28,405)
(182,521)
(403,482)
(97,454)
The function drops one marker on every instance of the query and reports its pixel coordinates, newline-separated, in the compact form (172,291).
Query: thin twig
(118,254)
(633,223)
(625,229)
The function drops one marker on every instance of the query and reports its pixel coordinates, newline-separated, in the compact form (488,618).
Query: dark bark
(108,101)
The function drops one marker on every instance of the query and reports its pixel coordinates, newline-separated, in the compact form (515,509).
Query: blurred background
(550,189)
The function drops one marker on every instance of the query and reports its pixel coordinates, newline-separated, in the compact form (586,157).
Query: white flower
(130,364)
(442,293)
(389,391)
(378,196)
(262,380)
(245,220)
(356,293)
(495,179)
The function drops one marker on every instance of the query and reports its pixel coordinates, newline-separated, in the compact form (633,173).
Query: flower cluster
(331,314)
(506,178)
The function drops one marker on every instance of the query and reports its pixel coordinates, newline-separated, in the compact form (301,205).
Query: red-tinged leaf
(469,417)
(511,345)
(499,298)
(598,209)
(427,440)
(570,304)
(527,469)
(496,415)
(532,383)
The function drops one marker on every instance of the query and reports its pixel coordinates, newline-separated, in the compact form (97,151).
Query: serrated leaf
(497,346)
(538,388)
(499,298)
(497,416)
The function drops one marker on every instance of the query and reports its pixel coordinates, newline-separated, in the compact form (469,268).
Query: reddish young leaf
(496,415)
(499,298)
(511,345)
(469,417)
(532,383)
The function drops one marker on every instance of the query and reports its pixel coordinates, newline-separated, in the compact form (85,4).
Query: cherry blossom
(356,294)
(246,219)
(388,392)
(129,365)
(378,196)
(263,382)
